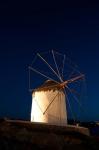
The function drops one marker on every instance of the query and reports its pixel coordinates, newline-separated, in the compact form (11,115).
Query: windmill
(50,99)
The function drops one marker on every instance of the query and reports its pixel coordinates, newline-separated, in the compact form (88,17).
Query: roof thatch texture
(49,85)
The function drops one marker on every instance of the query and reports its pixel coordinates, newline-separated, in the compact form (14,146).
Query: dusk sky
(30,27)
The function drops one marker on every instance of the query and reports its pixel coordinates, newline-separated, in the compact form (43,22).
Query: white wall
(56,113)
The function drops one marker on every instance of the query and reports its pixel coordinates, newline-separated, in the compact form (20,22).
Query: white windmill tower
(49,99)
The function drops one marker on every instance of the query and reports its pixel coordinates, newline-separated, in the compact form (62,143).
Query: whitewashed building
(48,104)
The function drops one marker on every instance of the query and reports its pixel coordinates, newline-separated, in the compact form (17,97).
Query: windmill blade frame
(61,85)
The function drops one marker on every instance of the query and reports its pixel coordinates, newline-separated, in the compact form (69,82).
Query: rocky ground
(21,135)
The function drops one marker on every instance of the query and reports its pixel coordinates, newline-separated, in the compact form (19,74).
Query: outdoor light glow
(38,107)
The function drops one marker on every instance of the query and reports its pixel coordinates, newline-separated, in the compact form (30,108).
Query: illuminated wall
(52,103)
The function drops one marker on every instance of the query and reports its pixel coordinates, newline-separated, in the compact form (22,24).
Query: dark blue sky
(29,27)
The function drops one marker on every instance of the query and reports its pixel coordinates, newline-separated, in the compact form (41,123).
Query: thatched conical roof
(49,85)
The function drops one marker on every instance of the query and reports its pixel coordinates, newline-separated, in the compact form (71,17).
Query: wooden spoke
(56,66)
(38,72)
(48,65)
(73,95)
(72,113)
(63,66)
(50,104)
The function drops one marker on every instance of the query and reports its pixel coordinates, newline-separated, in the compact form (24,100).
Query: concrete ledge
(50,128)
